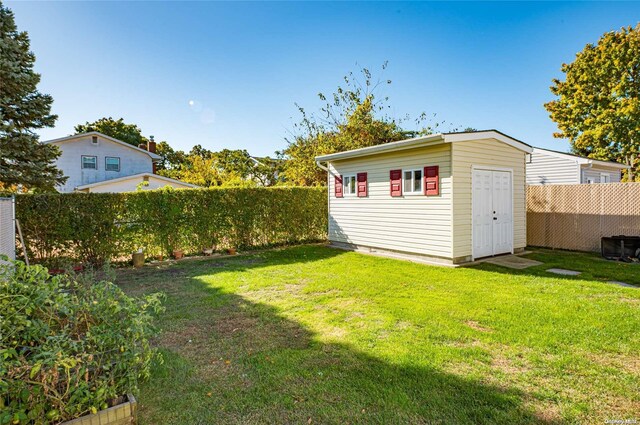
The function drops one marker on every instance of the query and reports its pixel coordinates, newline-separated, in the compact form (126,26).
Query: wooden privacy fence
(576,216)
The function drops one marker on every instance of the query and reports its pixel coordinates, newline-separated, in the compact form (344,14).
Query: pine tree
(23,160)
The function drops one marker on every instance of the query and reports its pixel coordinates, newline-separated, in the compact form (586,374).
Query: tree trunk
(629,160)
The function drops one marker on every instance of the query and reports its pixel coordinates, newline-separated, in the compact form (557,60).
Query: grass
(316,335)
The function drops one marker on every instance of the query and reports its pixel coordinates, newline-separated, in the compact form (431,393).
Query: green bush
(68,344)
(97,227)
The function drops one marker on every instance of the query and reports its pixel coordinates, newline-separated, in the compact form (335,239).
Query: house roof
(153,156)
(135,176)
(432,139)
(260,160)
(583,159)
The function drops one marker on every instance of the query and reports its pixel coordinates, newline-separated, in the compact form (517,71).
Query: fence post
(8,227)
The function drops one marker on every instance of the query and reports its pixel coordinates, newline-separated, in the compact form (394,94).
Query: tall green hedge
(96,227)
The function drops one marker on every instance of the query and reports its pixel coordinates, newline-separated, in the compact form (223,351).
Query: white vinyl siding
(546,168)
(595,174)
(416,224)
(495,155)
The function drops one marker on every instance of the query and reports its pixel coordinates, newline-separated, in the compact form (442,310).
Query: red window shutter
(395,177)
(338,186)
(362,184)
(431,180)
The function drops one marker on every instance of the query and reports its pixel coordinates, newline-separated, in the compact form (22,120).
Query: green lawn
(316,335)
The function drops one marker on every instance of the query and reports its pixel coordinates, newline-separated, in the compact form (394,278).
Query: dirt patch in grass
(226,325)
(509,366)
(249,330)
(186,339)
(548,413)
(627,300)
(268,293)
(477,326)
(617,361)
(466,344)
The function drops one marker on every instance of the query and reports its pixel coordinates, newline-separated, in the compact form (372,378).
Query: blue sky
(226,75)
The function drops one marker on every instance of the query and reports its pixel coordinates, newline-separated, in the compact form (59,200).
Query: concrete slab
(628,285)
(564,272)
(513,262)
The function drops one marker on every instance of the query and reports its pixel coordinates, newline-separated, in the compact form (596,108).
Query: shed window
(605,178)
(89,162)
(412,182)
(112,163)
(350,185)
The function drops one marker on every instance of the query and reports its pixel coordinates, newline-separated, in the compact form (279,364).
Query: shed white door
(492,213)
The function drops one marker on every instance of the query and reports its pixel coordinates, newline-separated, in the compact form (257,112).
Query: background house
(545,166)
(447,198)
(94,162)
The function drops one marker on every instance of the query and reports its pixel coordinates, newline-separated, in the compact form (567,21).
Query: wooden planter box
(120,414)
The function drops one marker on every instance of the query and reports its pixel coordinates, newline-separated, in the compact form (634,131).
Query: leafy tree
(23,160)
(118,129)
(598,105)
(201,171)
(268,171)
(172,161)
(352,117)
(198,150)
(225,168)
(237,162)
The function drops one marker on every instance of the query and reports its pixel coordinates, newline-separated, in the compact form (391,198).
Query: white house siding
(412,223)
(70,161)
(131,185)
(493,154)
(545,168)
(594,172)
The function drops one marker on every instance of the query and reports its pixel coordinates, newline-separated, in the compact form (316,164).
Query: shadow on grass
(230,360)
(592,267)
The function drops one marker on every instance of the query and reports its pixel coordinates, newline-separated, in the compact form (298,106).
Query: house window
(94,140)
(89,162)
(412,182)
(112,163)
(350,185)
(605,178)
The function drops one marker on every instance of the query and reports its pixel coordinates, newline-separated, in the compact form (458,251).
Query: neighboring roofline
(132,176)
(583,160)
(428,140)
(96,133)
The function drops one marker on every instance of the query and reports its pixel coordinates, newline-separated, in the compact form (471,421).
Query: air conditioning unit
(621,248)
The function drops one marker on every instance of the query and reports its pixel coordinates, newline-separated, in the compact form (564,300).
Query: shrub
(68,344)
(96,227)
